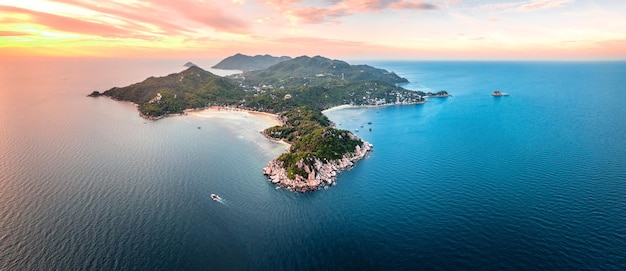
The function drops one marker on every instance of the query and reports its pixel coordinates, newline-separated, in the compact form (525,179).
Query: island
(296,90)
(439,94)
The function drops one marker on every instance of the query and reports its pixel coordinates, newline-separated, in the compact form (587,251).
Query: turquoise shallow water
(536,180)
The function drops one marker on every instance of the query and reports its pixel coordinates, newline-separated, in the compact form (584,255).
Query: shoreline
(273,118)
(266,120)
(322,174)
(346,106)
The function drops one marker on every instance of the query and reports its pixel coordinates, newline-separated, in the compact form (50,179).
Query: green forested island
(298,90)
(317,82)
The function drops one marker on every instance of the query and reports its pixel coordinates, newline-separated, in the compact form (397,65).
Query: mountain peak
(249,63)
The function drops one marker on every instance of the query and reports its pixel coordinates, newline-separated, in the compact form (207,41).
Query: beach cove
(320,175)
(248,125)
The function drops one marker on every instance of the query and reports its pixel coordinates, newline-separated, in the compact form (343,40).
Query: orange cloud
(12,34)
(319,42)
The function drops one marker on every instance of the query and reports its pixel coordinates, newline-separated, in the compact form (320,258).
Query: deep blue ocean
(532,181)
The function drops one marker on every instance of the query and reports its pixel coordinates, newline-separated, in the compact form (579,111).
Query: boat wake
(218,199)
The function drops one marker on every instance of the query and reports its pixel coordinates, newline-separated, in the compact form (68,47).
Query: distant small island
(439,94)
(297,90)
(95,93)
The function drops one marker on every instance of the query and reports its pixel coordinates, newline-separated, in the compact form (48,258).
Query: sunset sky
(348,29)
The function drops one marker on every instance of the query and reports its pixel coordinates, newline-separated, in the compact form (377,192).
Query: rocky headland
(319,174)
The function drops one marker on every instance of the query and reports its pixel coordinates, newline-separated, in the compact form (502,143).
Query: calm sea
(533,181)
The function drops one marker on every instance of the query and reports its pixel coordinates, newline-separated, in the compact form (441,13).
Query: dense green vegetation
(317,82)
(318,70)
(191,88)
(249,63)
(322,83)
(329,94)
(311,137)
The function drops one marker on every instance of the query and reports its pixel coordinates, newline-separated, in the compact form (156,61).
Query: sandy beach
(339,107)
(235,114)
(245,124)
(344,106)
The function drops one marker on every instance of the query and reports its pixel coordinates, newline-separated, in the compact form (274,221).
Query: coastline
(271,119)
(246,122)
(320,175)
(244,118)
(345,106)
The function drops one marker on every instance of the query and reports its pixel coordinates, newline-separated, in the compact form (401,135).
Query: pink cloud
(131,15)
(412,5)
(543,4)
(317,15)
(530,5)
(67,24)
(342,8)
(280,3)
(171,18)
(378,5)
(205,14)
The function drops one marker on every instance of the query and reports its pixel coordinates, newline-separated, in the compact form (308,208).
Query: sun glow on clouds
(418,29)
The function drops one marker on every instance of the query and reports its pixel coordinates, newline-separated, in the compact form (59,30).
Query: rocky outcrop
(319,174)
(95,93)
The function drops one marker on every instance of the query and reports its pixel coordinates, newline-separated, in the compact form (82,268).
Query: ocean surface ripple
(533,181)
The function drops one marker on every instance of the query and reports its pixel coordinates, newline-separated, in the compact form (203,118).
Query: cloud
(263,19)
(525,6)
(279,3)
(543,4)
(205,14)
(412,5)
(315,15)
(133,16)
(335,9)
(67,24)
(13,34)
(321,42)
(154,17)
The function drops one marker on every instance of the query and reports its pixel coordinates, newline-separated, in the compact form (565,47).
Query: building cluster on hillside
(395,97)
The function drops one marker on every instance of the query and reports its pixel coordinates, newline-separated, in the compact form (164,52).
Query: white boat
(215,197)
(498,93)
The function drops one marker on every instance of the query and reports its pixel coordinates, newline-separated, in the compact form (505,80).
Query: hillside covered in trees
(171,94)
(318,150)
(317,82)
(249,63)
(322,83)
